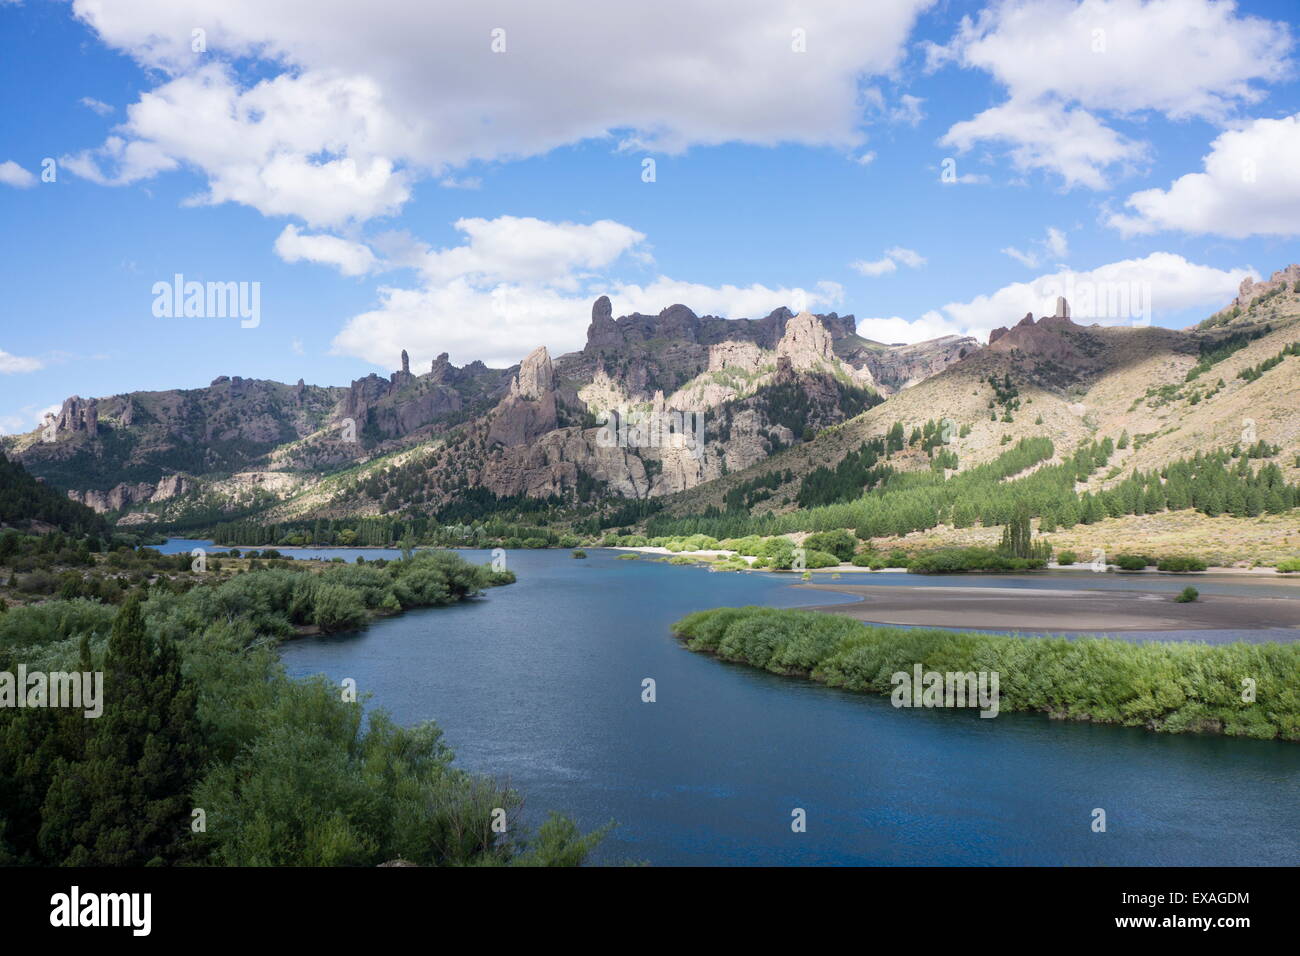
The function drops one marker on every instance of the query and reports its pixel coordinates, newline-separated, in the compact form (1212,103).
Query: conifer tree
(127,803)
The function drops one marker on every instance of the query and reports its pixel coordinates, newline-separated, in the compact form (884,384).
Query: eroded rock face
(742,356)
(536,375)
(530,424)
(77,415)
(123,495)
(531,408)
(1251,289)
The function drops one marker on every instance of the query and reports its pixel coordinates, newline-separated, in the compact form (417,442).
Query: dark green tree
(127,803)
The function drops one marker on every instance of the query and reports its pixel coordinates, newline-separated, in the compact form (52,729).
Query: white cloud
(350,258)
(319,147)
(899,331)
(513,248)
(1167,282)
(1062,62)
(874,267)
(11,174)
(1056,243)
(517,283)
(26,418)
(99,106)
(889,263)
(907,257)
(1053,246)
(467,182)
(909,110)
(727,301)
(10,364)
(1250,187)
(322,139)
(1070,142)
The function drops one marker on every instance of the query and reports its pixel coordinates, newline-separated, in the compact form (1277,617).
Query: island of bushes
(1239,689)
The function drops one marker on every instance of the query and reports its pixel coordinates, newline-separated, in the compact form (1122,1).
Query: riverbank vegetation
(207,753)
(1246,690)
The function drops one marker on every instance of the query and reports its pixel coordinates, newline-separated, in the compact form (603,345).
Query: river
(540,684)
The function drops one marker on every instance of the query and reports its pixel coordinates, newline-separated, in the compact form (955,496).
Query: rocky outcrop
(77,415)
(902,366)
(124,495)
(1250,289)
(531,408)
(744,357)
(806,343)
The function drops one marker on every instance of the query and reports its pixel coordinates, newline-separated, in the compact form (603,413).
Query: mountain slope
(748,388)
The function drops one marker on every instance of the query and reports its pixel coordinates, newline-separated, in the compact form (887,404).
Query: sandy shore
(1083,567)
(1061,611)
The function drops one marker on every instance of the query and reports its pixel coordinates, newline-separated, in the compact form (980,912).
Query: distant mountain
(1228,381)
(418,442)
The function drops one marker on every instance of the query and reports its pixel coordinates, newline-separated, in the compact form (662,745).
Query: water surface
(539,683)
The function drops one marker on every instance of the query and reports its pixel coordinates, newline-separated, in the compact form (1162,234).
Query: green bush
(1187,595)
(1178,563)
(820,559)
(840,543)
(337,608)
(1131,562)
(957,560)
(1163,686)
(579,553)
(1066,558)
(1289,565)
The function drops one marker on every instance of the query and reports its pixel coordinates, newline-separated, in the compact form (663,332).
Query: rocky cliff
(745,387)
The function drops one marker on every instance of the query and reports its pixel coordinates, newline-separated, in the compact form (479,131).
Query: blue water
(539,684)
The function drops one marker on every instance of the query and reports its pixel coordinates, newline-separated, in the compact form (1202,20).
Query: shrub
(579,553)
(1066,558)
(337,608)
(956,560)
(1131,562)
(839,543)
(1289,565)
(1162,686)
(1180,564)
(1188,595)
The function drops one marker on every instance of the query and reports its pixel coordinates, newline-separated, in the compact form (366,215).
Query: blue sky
(389,180)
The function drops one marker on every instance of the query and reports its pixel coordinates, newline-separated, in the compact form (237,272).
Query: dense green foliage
(857,472)
(390,532)
(199,715)
(1222,482)
(1187,595)
(1157,685)
(1180,563)
(23,499)
(840,543)
(954,560)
